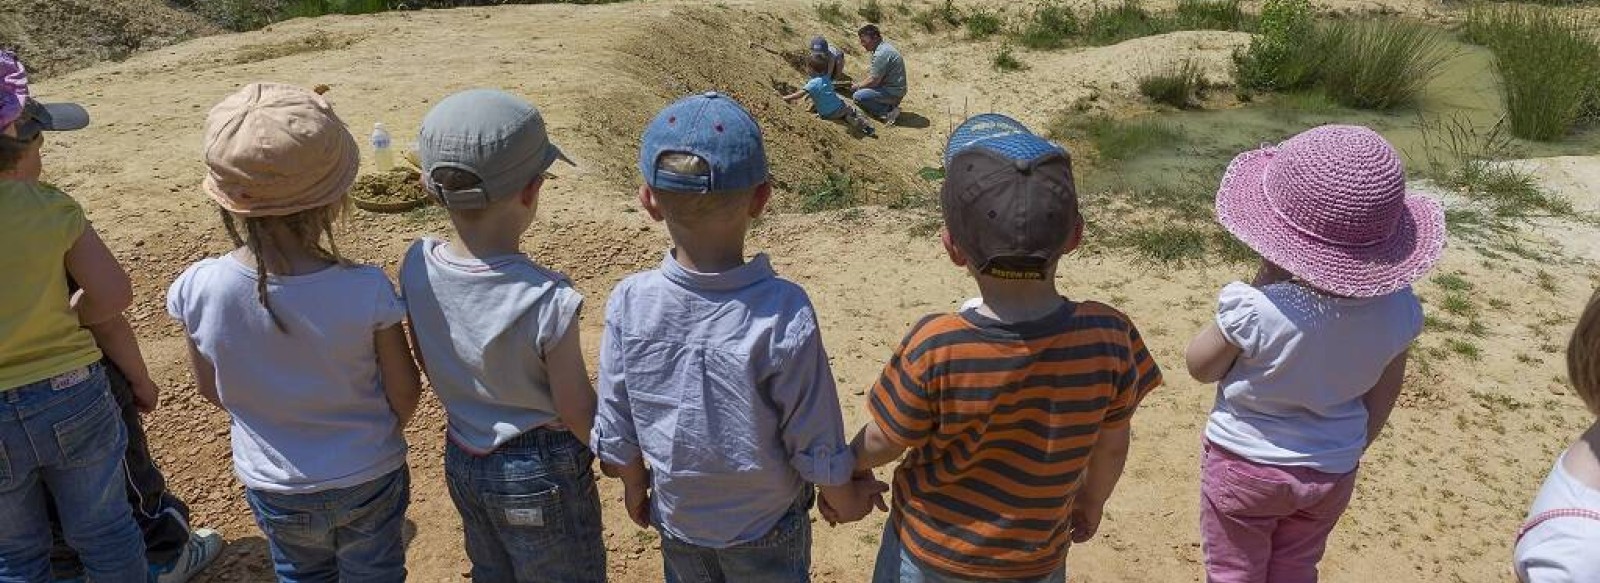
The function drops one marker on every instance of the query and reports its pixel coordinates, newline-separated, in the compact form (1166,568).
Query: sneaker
(889,118)
(204,546)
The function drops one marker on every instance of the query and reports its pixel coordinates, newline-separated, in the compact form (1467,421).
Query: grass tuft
(1452,282)
(1113,24)
(1050,26)
(1464,349)
(871,12)
(836,191)
(832,13)
(1548,64)
(1209,15)
(1181,88)
(982,24)
(1118,139)
(1382,64)
(1005,61)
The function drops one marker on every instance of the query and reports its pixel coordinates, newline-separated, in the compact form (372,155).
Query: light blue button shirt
(720,381)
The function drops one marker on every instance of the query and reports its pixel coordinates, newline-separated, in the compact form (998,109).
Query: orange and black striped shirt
(999,419)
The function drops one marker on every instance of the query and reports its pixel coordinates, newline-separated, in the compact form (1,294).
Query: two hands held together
(853,500)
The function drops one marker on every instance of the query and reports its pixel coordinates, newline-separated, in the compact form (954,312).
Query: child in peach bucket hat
(1309,357)
(302,348)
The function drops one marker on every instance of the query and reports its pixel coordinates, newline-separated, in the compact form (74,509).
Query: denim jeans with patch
(783,555)
(530,511)
(61,438)
(345,535)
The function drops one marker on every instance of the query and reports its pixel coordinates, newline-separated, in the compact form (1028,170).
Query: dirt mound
(736,52)
(56,36)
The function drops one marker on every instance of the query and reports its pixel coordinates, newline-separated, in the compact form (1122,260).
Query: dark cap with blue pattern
(1008,197)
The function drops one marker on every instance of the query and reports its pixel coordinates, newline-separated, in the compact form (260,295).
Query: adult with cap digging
(498,336)
(61,441)
(880,94)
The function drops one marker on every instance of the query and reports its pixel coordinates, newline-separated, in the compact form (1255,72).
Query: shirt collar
(756,270)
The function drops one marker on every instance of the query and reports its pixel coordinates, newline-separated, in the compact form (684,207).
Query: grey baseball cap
(495,135)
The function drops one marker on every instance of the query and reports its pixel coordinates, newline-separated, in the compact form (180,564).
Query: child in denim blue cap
(717,405)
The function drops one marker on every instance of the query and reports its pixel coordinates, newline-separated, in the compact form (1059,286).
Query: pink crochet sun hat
(1330,207)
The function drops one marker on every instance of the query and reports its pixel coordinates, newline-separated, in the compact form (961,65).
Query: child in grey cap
(497,334)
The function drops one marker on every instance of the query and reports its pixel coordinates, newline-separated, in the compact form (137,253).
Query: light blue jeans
(65,435)
(529,510)
(897,565)
(875,102)
(346,535)
(783,555)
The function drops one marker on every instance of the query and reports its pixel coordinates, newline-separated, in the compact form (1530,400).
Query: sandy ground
(1441,495)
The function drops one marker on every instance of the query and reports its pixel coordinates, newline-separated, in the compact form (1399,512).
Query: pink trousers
(1266,524)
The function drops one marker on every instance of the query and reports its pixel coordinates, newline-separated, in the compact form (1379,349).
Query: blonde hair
(1583,355)
(265,237)
(696,207)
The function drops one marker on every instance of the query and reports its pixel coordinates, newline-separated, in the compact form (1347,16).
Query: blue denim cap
(819,45)
(714,127)
(1008,197)
(495,135)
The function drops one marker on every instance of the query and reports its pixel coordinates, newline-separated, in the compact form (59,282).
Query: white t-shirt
(484,328)
(308,406)
(1293,398)
(1563,549)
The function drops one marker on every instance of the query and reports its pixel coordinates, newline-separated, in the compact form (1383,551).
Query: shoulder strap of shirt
(1549,515)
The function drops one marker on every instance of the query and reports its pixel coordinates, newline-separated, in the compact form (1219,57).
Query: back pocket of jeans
(530,522)
(93,434)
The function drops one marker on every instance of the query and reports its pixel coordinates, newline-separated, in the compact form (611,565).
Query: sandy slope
(1440,497)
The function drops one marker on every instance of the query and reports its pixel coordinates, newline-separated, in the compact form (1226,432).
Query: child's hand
(146,396)
(1085,521)
(852,501)
(636,497)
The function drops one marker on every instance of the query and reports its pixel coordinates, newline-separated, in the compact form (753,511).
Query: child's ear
(950,248)
(1077,236)
(530,194)
(759,200)
(647,201)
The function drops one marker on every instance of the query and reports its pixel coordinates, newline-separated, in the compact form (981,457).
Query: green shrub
(1282,54)
(983,24)
(871,11)
(1549,68)
(1005,61)
(1113,24)
(1380,64)
(1050,26)
(1209,15)
(1181,87)
(836,191)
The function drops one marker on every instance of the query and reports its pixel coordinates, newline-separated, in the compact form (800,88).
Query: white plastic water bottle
(382,154)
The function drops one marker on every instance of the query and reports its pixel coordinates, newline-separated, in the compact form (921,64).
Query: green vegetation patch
(1549,66)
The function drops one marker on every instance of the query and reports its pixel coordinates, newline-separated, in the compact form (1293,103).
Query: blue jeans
(346,535)
(783,555)
(530,511)
(62,438)
(875,102)
(897,565)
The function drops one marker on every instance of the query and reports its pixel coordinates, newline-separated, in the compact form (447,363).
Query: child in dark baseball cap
(1024,382)
(498,335)
(712,370)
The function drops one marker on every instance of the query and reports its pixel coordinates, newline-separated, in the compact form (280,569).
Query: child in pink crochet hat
(1309,357)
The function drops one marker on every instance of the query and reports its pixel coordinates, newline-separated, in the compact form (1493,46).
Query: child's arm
(635,488)
(117,340)
(1380,400)
(793,96)
(1099,479)
(873,448)
(401,383)
(205,375)
(614,439)
(1210,354)
(812,424)
(105,289)
(569,384)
